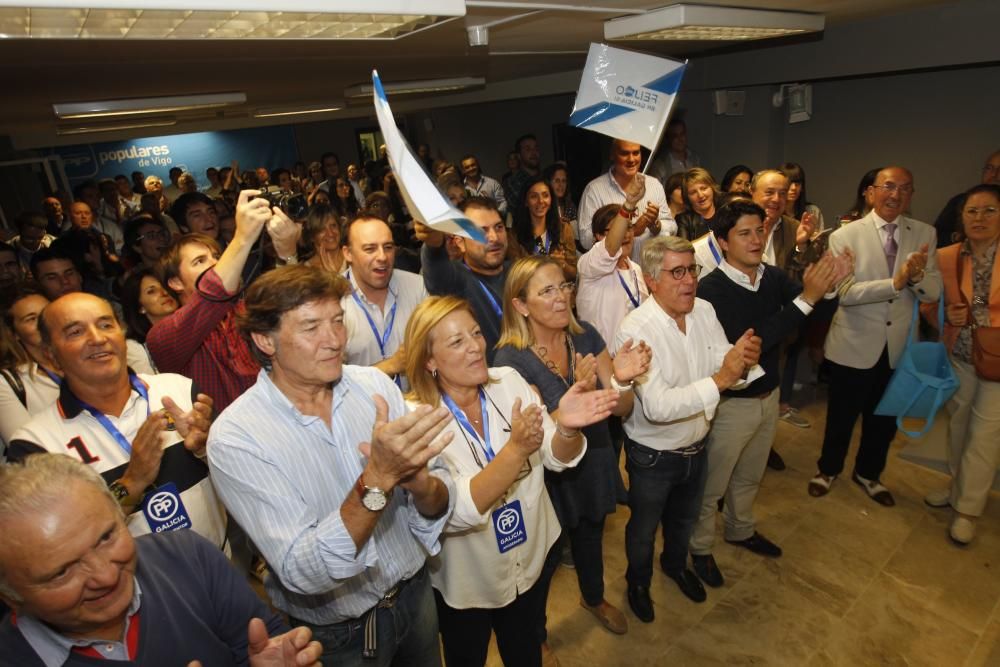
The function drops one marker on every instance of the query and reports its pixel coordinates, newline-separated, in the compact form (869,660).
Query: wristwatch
(374,499)
(119,491)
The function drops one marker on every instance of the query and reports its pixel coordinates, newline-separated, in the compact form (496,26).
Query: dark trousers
(586,541)
(667,488)
(854,392)
(407,632)
(465,633)
(543,585)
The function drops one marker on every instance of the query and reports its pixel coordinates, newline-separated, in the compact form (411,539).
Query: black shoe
(640,602)
(687,581)
(707,570)
(759,544)
(774,461)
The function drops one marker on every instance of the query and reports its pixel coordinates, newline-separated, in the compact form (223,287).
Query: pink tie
(890,247)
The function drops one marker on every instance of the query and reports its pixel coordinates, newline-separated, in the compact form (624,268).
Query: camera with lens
(292,204)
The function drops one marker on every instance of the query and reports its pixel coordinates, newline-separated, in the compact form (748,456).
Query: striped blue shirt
(284,475)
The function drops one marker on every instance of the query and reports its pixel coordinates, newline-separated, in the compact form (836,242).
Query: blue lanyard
(383,338)
(488,292)
(546,245)
(460,417)
(633,299)
(103,420)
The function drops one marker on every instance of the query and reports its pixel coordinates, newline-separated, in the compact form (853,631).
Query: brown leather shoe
(610,616)
(549,658)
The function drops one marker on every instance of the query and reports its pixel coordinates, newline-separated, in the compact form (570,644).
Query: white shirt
(743,281)
(769,256)
(40,391)
(676,399)
(470,571)
(605,190)
(601,299)
(488,187)
(405,289)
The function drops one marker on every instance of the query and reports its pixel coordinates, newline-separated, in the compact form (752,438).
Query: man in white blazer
(894,265)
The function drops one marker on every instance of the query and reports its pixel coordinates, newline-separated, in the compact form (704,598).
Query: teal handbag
(922,382)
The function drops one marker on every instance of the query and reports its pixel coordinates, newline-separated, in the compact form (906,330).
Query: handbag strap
(14,380)
(929,422)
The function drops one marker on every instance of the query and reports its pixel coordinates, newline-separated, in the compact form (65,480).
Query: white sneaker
(962,530)
(939,498)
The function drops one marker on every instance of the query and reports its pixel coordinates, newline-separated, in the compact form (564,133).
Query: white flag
(423,199)
(707,253)
(626,95)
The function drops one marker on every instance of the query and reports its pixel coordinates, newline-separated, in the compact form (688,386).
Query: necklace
(542,354)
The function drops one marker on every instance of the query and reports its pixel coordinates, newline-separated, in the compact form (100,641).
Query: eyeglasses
(551,291)
(985,211)
(159,235)
(892,188)
(678,272)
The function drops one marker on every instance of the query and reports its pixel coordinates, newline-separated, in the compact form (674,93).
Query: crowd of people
(404,433)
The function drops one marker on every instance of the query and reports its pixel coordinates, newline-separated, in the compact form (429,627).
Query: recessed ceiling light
(296,111)
(412,87)
(146,105)
(705,22)
(115,127)
(217,19)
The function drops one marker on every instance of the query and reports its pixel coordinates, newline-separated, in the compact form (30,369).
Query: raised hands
(805,229)
(749,346)
(585,371)
(912,270)
(635,190)
(631,361)
(427,235)
(295,648)
(192,425)
(284,232)
(400,449)
(819,278)
(147,452)
(526,433)
(582,406)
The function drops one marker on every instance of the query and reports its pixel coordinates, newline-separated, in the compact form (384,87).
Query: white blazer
(871,313)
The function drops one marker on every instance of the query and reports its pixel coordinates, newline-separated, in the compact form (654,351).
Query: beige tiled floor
(858,584)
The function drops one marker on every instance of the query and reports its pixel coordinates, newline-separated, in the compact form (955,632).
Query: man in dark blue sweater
(84,591)
(480,275)
(748,294)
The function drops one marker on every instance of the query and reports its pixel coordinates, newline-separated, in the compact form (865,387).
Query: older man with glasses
(693,363)
(894,265)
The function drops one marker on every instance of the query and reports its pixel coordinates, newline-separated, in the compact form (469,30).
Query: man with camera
(200,339)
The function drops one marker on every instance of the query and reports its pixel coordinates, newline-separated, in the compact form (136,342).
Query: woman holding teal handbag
(970,273)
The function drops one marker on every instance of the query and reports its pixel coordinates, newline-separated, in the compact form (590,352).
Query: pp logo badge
(508,526)
(164,509)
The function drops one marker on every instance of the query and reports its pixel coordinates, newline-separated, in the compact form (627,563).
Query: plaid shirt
(200,340)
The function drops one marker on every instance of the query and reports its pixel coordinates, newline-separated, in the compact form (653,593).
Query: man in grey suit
(894,265)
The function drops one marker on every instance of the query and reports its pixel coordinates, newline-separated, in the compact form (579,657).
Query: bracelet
(570,435)
(290,260)
(619,387)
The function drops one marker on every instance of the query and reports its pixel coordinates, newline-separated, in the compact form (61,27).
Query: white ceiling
(34,74)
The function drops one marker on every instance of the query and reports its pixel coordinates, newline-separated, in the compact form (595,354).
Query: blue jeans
(407,632)
(662,487)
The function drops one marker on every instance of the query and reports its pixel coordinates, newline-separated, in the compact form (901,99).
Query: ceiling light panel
(708,23)
(257,19)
